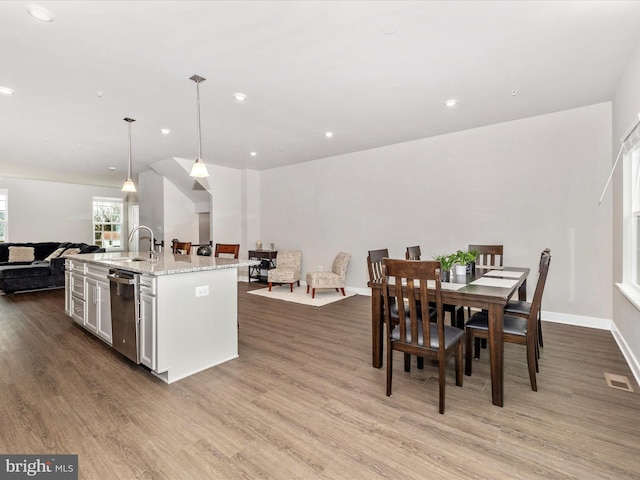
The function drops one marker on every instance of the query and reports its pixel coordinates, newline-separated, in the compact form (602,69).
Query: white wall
(180,218)
(151,198)
(626,317)
(226,211)
(42,211)
(527,184)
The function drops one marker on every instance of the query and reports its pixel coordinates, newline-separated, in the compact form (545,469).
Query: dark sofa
(42,272)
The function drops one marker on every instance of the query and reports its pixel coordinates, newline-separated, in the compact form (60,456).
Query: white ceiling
(374,72)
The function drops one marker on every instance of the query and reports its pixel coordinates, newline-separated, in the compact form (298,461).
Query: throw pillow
(70,251)
(21,254)
(54,254)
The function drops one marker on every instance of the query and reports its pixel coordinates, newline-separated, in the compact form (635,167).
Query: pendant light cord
(198,113)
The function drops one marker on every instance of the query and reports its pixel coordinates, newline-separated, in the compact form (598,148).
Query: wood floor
(303,402)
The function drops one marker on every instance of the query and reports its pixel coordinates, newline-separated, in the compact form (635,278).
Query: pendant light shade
(199,169)
(128,185)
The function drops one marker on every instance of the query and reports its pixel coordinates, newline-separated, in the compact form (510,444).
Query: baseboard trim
(577,320)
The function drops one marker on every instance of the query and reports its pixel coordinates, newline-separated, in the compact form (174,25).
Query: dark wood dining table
(490,298)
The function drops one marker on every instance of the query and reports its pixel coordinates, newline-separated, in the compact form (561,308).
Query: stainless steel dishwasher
(124,312)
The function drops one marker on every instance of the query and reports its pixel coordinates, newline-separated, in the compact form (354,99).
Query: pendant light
(128,185)
(199,169)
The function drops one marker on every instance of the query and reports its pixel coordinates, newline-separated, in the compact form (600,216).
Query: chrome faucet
(152,253)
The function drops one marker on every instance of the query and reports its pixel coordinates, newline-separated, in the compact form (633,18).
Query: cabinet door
(147,330)
(103,311)
(92,299)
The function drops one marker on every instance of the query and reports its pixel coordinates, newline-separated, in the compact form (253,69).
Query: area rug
(299,295)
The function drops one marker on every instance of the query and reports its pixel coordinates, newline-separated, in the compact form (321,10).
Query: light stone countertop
(166,264)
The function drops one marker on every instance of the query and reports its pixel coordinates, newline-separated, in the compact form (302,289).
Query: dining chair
(523,308)
(227,249)
(181,247)
(288,265)
(456,313)
(488,255)
(374,263)
(517,329)
(407,283)
(413,253)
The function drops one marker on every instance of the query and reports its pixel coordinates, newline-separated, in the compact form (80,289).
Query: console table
(267,262)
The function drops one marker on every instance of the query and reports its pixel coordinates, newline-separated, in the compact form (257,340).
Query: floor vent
(618,381)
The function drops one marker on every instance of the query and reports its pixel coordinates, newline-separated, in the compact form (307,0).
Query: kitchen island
(186,317)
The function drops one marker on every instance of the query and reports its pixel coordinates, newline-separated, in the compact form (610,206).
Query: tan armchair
(333,279)
(288,266)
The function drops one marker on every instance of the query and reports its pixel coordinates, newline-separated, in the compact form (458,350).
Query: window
(3,216)
(107,222)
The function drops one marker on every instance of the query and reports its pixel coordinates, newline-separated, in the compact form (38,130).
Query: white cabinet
(98,318)
(75,290)
(98,302)
(147,322)
(87,296)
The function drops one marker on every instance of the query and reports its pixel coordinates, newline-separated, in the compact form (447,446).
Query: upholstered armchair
(333,279)
(288,266)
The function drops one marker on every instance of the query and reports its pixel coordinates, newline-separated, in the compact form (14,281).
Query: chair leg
(291,287)
(531,362)
(343,294)
(269,286)
(389,367)
(442,383)
(313,293)
(476,348)
(407,362)
(420,363)
(459,364)
(307,289)
(468,339)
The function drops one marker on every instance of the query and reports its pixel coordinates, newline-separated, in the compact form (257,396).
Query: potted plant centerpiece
(446,263)
(461,261)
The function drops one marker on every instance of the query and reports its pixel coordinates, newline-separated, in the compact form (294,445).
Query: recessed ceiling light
(6,91)
(451,102)
(253,154)
(112,168)
(40,13)
(328,134)
(241,97)
(165,131)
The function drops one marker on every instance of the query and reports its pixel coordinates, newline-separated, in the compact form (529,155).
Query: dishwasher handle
(124,281)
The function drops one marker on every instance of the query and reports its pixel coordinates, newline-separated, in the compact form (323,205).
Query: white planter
(461,269)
